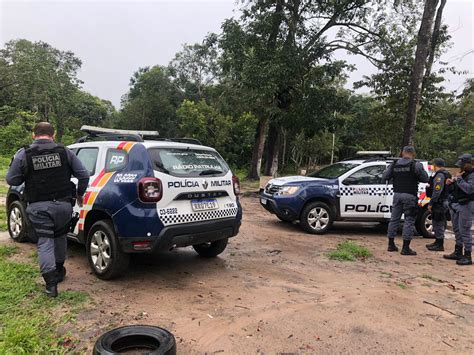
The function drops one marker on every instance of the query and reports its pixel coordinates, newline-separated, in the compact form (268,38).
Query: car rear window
(188,162)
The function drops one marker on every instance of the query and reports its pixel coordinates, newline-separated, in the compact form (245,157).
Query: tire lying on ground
(138,338)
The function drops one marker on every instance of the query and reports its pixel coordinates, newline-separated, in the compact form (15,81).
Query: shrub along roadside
(349,251)
(28,319)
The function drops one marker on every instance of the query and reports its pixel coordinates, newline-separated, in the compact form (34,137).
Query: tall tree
(422,50)
(275,44)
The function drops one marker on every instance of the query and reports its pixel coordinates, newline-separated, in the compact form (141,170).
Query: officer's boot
(51,289)
(60,272)
(466,259)
(456,255)
(391,245)
(438,245)
(406,248)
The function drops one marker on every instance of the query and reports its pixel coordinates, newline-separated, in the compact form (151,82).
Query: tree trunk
(271,164)
(434,43)
(257,152)
(422,49)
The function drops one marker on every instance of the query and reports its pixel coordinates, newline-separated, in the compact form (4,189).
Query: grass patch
(7,250)
(3,218)
(28,319)
(386,274)
(402,285)
(349,251)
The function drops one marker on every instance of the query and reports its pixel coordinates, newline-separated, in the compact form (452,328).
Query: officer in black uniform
(462,210)
(46,168)
(437,190)
(406,174)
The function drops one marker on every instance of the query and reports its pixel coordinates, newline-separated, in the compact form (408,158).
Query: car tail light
(236,184)
(150,189)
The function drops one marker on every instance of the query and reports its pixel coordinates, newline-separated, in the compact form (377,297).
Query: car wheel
(424,224)
(316,218)
(211,249)
(17,222)
(136,339)
(105,256)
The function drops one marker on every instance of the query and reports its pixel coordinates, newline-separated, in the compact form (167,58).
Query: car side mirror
(350,181)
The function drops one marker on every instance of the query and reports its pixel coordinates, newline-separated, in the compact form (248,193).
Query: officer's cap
(464,159)
(409,149)
(439,162)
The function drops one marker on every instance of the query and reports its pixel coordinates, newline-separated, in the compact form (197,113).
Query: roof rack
(178,140)
(112,134)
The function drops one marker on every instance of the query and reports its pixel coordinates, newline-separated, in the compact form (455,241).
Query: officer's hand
(459,174)
(449,181)
(80,200)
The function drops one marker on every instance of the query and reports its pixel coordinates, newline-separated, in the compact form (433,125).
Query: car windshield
(188,162)
(333,171)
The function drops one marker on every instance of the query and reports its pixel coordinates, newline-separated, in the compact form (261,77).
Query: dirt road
(275,290)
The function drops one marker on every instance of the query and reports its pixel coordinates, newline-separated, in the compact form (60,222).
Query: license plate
(204,205)
(263,201)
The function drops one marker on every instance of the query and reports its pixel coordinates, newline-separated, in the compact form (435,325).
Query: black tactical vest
(430,187)
(460,195)
(48,175)
(405,179)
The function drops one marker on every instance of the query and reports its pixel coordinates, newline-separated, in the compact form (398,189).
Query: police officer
(406,174)
(462,210)
(46,168)
(437,190)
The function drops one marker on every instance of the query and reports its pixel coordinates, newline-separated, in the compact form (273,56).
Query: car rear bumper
(183,235)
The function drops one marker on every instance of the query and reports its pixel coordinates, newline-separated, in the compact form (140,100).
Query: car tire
(424,224)
(141,338)
(211,249)
(17,222)
(316,218)
(106,258)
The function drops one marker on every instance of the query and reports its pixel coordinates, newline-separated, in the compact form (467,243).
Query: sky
(115,38)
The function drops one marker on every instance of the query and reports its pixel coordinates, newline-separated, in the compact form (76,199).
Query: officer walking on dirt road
(438,206)
(462,210)
(46,168)
(406,174)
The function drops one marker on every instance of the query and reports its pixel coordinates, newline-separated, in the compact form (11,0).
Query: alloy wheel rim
(100,251)
(318,218)
(429,223)
(16,222)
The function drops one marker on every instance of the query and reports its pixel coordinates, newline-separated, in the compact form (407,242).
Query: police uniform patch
(46,161)
(438,179)
(437,188)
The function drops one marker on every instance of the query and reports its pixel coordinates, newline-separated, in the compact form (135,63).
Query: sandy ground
(274,290)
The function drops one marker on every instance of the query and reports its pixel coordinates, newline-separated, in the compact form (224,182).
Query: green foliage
(16,134)
(28,319)
(7,250)
(349,251)
(3,218)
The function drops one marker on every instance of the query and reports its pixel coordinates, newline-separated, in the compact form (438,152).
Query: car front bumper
(284,210)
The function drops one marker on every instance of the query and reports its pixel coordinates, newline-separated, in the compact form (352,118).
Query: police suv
(350,190)
(145,196)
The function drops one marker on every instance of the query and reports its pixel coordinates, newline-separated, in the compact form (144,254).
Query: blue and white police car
(145,196)
(350,190)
